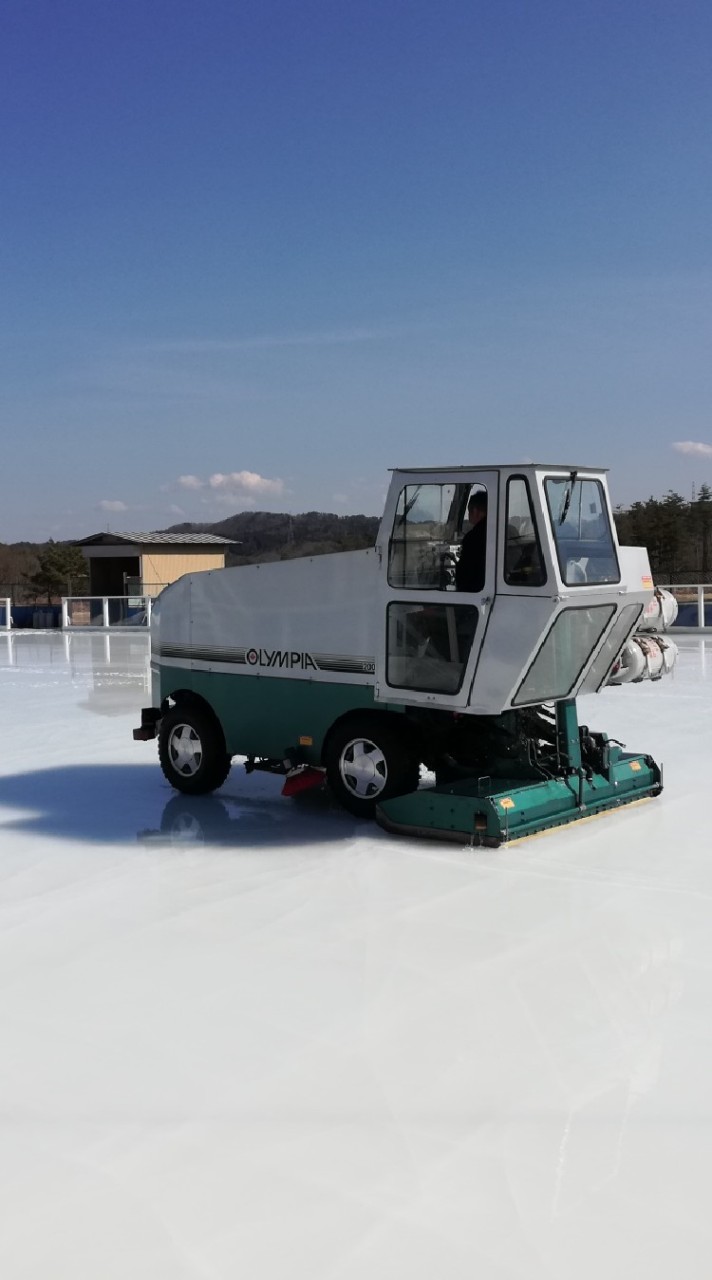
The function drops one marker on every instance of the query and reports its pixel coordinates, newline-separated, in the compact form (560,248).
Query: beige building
(137,564)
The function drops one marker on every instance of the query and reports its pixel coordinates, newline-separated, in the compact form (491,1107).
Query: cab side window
(523,561)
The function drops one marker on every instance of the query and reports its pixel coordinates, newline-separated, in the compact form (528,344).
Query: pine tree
(703,526)
(61,570)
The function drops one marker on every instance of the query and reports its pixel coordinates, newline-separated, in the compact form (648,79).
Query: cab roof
(503,466)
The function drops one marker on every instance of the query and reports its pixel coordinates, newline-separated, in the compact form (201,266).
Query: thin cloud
(110,504)
(266,341)
(694,448)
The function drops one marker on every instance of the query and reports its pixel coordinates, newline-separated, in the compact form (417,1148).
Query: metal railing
(105,612)
(694,603)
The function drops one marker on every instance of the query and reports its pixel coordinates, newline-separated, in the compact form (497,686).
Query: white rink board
(304,1048)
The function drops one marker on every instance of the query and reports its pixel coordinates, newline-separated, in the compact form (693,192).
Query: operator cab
(552,564)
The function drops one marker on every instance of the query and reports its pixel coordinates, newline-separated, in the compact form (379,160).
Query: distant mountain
(269,535)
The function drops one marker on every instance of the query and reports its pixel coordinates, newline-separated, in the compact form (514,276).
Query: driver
(470,568)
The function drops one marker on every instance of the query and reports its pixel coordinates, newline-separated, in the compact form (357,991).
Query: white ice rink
(294,1046)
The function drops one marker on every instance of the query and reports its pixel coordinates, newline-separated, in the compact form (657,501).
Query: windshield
(582,531)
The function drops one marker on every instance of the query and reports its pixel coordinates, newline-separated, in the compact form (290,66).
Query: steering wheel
(448,561)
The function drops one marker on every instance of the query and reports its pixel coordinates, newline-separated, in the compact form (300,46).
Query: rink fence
(108,612)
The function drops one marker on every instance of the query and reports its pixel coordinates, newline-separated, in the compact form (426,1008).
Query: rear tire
(191,749)
(368,761)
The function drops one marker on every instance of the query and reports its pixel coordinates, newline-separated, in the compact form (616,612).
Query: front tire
(191,749)
(368,761)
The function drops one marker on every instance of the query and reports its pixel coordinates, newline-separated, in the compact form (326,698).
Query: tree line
(677,534)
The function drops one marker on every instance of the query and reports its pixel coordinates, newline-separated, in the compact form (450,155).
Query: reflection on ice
(96,650)
(112,669)
(246,820)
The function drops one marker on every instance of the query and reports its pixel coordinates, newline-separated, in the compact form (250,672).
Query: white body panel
(513,637)
(321,607)
(635,570)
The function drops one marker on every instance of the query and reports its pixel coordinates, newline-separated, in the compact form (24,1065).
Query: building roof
(155,539)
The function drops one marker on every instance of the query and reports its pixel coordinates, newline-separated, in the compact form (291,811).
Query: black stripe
(343,663)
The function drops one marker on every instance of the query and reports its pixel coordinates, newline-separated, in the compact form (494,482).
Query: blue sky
(252,254)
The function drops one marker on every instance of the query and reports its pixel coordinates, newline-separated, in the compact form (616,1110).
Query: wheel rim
(363,769)
(185,750)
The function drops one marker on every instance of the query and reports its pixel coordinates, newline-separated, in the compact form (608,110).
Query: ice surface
(251,1037)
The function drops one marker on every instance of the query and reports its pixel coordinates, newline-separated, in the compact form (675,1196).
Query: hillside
(268,535)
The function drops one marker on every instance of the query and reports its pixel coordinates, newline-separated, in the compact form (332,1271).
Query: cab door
(430,634)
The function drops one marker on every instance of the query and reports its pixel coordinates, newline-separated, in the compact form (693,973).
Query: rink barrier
(106,613)
(694,601)
(5,613)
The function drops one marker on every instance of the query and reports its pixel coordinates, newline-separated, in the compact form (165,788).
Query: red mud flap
(302,779)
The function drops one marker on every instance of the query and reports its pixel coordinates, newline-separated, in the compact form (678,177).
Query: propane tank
(644,657)
(659,613)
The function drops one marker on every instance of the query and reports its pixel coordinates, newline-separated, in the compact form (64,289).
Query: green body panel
(488,811)
(268,715)
(277,717)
